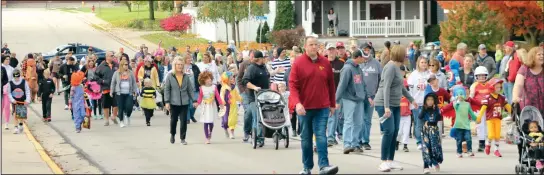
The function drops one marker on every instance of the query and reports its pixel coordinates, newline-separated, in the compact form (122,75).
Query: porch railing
(386,28)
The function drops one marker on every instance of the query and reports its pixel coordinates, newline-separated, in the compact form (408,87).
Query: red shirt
(443,97)
(495,106)
(513,67)
(405,107)
(481,91)
(311,84)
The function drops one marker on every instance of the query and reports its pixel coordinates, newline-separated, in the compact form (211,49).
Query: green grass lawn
(121,17)
(168,40)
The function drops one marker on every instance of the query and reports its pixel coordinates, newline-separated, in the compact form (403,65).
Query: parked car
(78,50)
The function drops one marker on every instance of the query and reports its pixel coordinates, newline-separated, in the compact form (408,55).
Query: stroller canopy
(268,96)
(529,114)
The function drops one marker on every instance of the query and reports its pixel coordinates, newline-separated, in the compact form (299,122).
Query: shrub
(285,13)
(179,22)
(288,38)
(432,33)
(167,5)
(262,35)
(137,24)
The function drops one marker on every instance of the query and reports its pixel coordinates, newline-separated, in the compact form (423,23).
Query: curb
(43,154)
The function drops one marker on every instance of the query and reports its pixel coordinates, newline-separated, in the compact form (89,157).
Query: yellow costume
(231,96)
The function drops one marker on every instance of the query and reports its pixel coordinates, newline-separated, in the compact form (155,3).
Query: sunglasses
(432,65)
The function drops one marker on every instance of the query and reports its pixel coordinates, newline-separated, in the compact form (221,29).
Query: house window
(380,11)
(398,9)
(425,12)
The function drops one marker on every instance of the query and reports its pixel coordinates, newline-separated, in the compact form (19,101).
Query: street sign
(260,17)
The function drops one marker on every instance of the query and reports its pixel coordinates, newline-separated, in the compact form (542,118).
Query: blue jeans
(463,135)
(192,109)
(254,117)
(314,123)
(367,122)
(248,118)
(508,88)
(353,122)
(418,124)
(333,124)
(390,132)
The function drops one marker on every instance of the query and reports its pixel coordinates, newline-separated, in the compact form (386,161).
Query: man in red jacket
(312,88)
(513,66)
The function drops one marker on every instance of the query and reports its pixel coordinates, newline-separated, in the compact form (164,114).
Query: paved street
(141,149)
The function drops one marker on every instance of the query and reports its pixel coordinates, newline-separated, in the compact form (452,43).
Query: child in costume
(148,104)
(461,126)
(405,122)
(230,95)
(207,108)
(430,135)
(45,94)
(95,95)
(493,106)
(478,91)
(77,99)
(443,97)
(20,98)
(452,71)
(32,78)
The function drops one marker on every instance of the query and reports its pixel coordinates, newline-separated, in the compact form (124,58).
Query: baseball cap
(481,47)
(339,44)
(431,78)
(330,46)
(258,54)
(357,53)
(509,44)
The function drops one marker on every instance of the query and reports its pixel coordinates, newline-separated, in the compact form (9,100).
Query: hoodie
(431,115)
(453,76)
(351,85)
(372,72)
(488,62)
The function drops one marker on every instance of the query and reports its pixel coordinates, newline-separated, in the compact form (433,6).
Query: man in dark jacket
(13,62)
(65,72)
(256,77)
(5,49)
(4,75)
(210,48)
(243,92)
(336,121)
(103,75)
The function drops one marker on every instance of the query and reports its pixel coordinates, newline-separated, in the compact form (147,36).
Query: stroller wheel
(531,170)
(277,140)
(254,138)
(286,132)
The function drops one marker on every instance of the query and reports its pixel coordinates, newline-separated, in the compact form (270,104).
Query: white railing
(386,28)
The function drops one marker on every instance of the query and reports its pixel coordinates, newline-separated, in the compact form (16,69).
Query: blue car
(78,50)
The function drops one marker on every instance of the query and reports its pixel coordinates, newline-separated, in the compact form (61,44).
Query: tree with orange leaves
(472,23)
(524,18)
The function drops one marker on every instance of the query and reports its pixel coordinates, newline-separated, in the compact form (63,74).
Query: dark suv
(78,50)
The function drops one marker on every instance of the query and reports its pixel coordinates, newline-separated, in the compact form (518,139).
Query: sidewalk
(20,156)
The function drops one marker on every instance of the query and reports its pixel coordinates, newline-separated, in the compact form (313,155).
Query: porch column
(422,19)
(350,18)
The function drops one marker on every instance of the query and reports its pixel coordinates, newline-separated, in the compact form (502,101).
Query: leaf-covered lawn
(120,17)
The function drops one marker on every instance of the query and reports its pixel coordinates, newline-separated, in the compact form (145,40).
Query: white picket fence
(386,28)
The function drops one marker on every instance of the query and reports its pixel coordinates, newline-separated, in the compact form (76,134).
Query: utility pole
(248,17)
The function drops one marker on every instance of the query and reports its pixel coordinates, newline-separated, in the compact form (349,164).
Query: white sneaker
(437,168)
(395,166)
(16,130)
(6,126)
(122,124)
(65,107)
(384,167)
(426,171)
(419,147)
(127,119)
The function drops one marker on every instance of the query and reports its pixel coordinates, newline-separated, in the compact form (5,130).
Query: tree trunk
(129,5)
(234,33)
(530,37)
(238,32)
(226,30)
(151,10)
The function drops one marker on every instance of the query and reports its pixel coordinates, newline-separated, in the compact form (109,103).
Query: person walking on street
(245,94)
(45,94)
(336,121)
(103,75)
(193,72)
(178,95)
(372,71)
(148,101)
(351,91)
(312,94)
(417,82)
(483,59)
(256,77)
(123,86)
(19,96)
(387,105)
(77,99)
(65,72)
(54,67)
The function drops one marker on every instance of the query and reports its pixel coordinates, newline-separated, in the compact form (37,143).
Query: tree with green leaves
(262,33)
(285,13)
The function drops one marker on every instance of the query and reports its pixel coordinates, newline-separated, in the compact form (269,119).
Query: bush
(288,38)
(179,22)
(432,33)
(137,24)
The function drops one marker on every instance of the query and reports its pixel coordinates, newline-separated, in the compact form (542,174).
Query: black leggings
(97,106)
(294,123)
(148,114)
(179,113)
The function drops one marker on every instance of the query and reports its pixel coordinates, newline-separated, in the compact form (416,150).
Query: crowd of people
(332,93)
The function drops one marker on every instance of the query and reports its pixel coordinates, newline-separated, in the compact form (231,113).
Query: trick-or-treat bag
(87,120)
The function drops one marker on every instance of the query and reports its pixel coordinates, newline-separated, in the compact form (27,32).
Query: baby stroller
(527,159)
(272,115)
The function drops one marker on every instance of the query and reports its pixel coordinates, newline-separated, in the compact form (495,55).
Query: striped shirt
(277,64)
